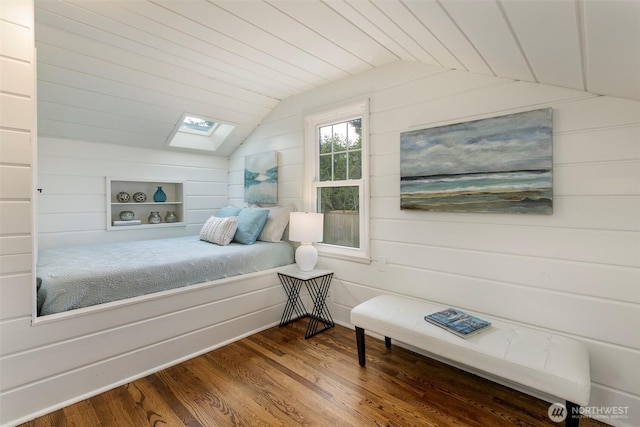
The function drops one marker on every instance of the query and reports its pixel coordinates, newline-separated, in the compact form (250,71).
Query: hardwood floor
(276,377)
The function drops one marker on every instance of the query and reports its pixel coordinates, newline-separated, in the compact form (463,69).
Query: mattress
(83,276)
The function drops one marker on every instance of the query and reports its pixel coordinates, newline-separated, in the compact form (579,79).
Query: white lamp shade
(306,227)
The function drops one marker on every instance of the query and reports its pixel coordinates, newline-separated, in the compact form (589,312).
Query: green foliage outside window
(340,160)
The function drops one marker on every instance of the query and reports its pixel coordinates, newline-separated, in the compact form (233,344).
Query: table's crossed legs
(320,314)
(294,303)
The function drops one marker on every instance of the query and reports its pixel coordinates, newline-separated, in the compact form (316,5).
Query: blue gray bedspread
(83,276)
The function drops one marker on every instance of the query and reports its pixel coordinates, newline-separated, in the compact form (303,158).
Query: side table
(317,283)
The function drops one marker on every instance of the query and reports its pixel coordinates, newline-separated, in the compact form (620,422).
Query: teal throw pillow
(228,211)
(250,223)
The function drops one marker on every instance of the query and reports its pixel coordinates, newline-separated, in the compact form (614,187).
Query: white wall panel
(605,144)
(15,244)
(15,182)
(16,295)
(16,111)
(15,217)
(16,41)
(587,279)
(16,76)
(15,147)
(16,157)
(15,263)
(614,178)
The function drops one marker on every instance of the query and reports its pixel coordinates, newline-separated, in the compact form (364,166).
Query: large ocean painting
(261,178)
(501,164)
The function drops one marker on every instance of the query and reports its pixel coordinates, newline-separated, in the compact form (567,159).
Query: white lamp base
(306,256)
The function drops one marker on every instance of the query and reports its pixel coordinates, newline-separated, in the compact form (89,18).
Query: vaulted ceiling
(124,71)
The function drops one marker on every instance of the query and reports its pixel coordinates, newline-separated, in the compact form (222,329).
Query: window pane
(354,128)
(355,169)
(325,167)
(341,208)
(340,166)
(340,136)
(325,135)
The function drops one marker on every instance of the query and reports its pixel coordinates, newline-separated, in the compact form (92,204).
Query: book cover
(457,322)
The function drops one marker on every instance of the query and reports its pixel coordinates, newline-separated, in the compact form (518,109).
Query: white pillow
(276,223)
(219,230)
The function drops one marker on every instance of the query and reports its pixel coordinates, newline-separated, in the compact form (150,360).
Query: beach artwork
(261,178)
(499,165)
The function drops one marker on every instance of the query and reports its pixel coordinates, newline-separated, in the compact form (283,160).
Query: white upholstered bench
(553,364)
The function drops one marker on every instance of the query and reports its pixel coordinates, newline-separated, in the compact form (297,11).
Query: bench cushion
(542,361)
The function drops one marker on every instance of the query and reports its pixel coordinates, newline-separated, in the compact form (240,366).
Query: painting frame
(501,164)
(261,178)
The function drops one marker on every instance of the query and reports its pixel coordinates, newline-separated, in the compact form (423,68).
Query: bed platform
(83,276)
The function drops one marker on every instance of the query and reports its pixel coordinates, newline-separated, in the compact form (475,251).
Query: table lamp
(306,228)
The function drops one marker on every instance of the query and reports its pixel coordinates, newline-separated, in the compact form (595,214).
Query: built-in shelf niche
(174,191)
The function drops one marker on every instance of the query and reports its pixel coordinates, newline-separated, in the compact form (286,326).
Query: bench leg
(573,415)
(360,343)
(387,342)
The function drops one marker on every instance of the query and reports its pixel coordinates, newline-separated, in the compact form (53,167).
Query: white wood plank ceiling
(124,71)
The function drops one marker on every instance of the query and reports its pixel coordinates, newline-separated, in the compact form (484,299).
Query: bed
(83,276)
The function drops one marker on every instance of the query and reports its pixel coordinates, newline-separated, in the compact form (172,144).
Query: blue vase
(159,195)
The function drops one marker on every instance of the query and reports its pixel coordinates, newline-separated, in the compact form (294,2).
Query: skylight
(197,125)
(194,132)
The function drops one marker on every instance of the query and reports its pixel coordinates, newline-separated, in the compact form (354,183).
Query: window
(193,132)
(336,170)
(197,125)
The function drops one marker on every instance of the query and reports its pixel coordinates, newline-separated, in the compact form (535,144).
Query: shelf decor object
(159,196)
(155,218)
(127,215)
(140,197)
(170,217)
(123,197)
(306,228)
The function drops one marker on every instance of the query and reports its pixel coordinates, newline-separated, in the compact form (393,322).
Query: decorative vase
(170,217)
(126,215)
(139,197)
(159,195)
(154,218)
(123,197)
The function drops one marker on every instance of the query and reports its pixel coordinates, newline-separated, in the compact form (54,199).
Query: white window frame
(312,122)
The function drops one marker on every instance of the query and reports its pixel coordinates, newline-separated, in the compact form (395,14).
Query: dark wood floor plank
(156,410)
(276,377)
(80,414)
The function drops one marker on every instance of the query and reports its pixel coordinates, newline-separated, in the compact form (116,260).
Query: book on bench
(457,322)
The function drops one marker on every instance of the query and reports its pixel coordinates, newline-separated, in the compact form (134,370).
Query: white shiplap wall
(16,158)
(72,205)
(576,272)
